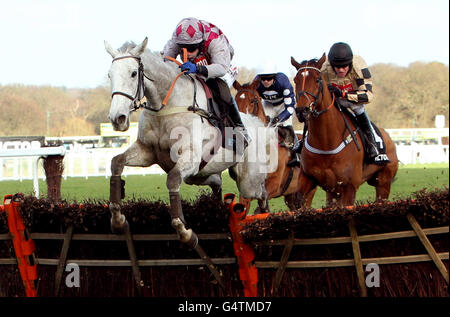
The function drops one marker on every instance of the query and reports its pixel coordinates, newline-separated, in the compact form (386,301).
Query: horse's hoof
(189,238)
(186,236)
(121,226)
(259,211)
(217,196)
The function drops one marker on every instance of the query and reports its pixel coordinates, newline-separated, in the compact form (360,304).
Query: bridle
(311,108)
(254,101)
(139,100)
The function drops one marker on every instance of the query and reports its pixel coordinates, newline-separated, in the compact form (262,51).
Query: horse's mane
(311,61)
(247,84)
(127,47)
(156,58)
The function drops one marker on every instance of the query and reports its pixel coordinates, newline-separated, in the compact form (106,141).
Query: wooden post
(209,264)
(284,259)
(62,259)
(357,257)
(134,263)
(428,246)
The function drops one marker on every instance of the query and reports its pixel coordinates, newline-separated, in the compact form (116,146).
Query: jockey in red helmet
(209,55)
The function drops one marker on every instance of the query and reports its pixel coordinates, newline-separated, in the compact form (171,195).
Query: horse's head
(309,87)
(127,82)
(248,99)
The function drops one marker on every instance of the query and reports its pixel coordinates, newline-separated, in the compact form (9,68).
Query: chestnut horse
(337,165)
(285,180)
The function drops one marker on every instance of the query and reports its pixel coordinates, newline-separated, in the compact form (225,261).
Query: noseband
(139,100)
(312,104)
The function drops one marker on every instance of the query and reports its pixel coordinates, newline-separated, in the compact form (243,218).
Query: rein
(139,100)
(305,93)
(316,114)
(166,99)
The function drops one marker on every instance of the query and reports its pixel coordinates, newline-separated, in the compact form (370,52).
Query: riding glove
(189,67)
(335,90)
(274,121)
(286,113)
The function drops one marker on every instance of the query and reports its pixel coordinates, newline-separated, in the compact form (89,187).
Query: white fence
(96,162)
(423,154)
(77,163)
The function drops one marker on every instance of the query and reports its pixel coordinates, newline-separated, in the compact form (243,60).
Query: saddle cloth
(218,117)
(285,137)
(382,157)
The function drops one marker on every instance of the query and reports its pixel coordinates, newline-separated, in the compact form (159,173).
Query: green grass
(409,179)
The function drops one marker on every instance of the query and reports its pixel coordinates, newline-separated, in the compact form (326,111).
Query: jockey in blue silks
(278,101)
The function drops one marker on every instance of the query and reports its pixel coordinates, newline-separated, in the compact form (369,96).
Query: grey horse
(176,138)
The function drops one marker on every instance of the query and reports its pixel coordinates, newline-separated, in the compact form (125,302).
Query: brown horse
(249,101)
(337,165)
(285,180)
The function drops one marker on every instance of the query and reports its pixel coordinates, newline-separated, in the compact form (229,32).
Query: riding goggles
(191,47)
(267,78)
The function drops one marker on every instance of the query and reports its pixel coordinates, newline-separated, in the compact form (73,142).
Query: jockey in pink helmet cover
(209,56)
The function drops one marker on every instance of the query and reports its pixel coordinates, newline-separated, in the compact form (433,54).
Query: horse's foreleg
(309,197)
(215,182)
(263,206)
(306,188)
(384,179)
(174,179)
(332,199)
(182,171)
(344,196)
(136,155)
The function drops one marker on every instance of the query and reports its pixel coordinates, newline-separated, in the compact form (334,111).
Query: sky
(61,42)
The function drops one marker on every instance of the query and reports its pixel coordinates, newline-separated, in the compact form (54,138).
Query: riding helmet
(340,55)
(189,31)
(269,70)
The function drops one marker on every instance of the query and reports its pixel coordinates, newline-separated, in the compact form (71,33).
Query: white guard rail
(36,154)
(21,165)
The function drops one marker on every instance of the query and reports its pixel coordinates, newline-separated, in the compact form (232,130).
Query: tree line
(405,97)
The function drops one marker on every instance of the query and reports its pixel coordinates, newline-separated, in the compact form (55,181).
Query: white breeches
(231,75)
(358,109)
(272,112)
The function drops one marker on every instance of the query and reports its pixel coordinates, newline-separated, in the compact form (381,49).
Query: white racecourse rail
(93,162)
(34,154)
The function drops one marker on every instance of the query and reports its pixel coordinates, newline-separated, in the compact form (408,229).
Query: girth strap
(288,181)
(205,87)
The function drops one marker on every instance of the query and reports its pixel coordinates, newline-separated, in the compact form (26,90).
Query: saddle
(216,115)
(382,158)
(285,137)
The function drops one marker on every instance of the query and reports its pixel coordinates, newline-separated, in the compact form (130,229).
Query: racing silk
(357,84)
(279,92)
(216,54)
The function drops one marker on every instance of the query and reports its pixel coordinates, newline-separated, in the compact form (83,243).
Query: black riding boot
(235,116)
(364,123)
(222,94)
(295,161)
